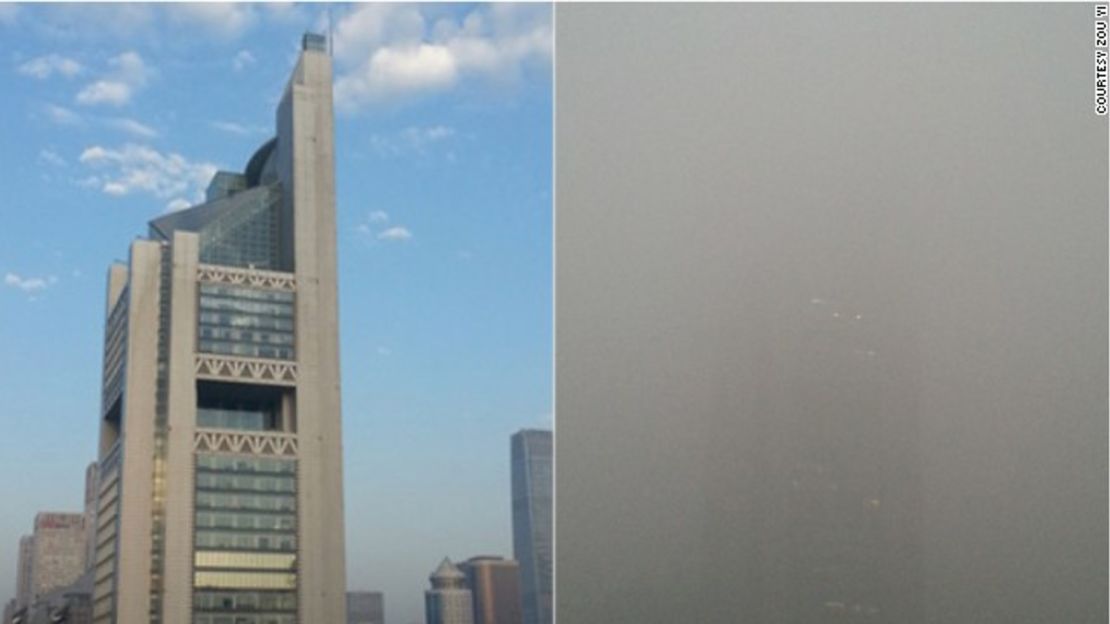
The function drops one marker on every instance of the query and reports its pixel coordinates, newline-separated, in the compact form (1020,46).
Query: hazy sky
(831,311)
(115,114)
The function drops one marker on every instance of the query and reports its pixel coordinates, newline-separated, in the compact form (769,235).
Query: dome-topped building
(447,576)
(448,601)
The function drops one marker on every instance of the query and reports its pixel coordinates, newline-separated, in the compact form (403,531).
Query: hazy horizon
(835,350)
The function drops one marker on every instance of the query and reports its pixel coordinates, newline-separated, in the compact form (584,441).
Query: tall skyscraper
(448,601)
(58,557)
(532,521)
(365,607)
(221,492)
(494,584)
(827,509)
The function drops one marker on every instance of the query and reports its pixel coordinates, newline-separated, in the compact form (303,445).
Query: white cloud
(95,21)
(391,52)
(358,34)
(223,19)
(418,138)
(133,127)
(137,168)
(412,139)
(46,66)
(130,68)
(93,154)
(147,22)
(9,11)
(52,158)
(29,285)
(235,128)
(243,60)
(118,189)
(128,74)
(178,203)
(105,92)
(62,115)
(379,218)
(397,72)
(283,12)
(396,233)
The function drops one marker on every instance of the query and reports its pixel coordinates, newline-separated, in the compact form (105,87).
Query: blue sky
(116,114)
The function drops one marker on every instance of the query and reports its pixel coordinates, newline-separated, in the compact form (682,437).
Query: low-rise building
(365,607)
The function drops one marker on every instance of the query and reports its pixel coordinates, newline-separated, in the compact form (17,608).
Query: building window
(246,322)
(245,407)
(245,562)
(246,234)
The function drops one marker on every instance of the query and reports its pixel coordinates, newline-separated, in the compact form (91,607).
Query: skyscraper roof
(447,570)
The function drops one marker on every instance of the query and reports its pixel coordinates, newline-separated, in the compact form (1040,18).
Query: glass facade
(245,563)
(115,348)
(246,618)
(161,441)
(107,529)
(243,420)
(247,322)
(245,407)
(246,502)
(246,232)
(244,601)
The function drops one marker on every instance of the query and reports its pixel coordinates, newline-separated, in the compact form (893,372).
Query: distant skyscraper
(494,584)
(532,521)
(9,611)
(59,552)
(837,537)
(365,607)
(220,495)
(448,601)
(23,571)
